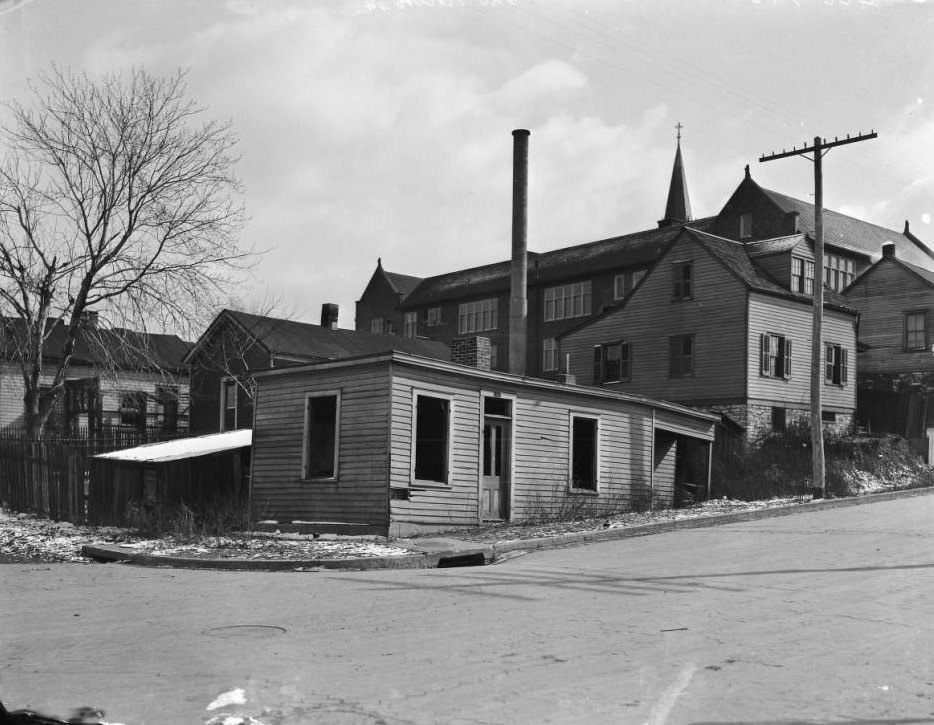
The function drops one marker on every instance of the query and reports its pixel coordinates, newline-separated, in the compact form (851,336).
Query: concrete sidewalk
(440,552)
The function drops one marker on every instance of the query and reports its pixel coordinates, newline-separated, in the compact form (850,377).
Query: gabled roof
(639,249)
(303,341)
(926,275)
(402,283)
(112,347)
(848,232)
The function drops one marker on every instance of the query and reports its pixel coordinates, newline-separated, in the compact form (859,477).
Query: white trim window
(431,439)
(567,301)
(410,324)
(916,331)
(229,395)
(835,364)
(774,356)
(802,275)
(584,458)
(838,271)
(478,316)
(549,354)
(321,436)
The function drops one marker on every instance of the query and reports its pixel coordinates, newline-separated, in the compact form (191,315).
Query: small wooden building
(394,444)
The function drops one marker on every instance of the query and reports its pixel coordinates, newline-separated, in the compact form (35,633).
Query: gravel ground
(26,538)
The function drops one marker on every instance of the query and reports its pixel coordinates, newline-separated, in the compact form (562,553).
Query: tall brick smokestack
(518,303)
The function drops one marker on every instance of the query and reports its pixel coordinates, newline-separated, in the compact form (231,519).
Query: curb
(469,553)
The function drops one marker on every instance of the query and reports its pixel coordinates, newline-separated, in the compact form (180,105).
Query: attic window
(745,226)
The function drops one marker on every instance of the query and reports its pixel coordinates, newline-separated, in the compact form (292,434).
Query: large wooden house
(710,328)
(895,299)
(394,443)
(237,344)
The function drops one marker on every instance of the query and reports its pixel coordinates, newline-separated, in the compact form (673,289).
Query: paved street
(824,617)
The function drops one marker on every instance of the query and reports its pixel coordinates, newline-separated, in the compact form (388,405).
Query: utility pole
(818,149)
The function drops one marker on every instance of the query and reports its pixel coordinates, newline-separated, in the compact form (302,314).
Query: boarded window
(583,453)
(321,436)
(432,433)
(779,418)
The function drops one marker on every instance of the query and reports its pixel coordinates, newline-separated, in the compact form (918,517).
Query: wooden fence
(52,476)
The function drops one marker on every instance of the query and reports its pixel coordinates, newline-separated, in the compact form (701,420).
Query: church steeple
(678,208)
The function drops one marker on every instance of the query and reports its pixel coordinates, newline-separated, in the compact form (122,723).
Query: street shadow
(506,583)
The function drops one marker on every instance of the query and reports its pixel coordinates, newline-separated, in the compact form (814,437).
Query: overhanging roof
(182,448)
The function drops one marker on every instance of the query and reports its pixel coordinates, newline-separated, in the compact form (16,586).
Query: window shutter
(786,371)
(828,363)
(597,364)
(764,354)
(843,361)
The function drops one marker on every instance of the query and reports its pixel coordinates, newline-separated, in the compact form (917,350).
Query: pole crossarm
(824,146)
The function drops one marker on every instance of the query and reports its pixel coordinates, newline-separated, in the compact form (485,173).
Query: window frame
(745,225)
(433,317)
(672,373)
(167,404)
(805,278)
(336,394)
(227,382)
(595,420)
(836,365)
(140,417)
(576,295)
(771,361)
(600,376)
(907,332)
(478,315)
(410,325)
(681,288)
(550,353)
(415,482)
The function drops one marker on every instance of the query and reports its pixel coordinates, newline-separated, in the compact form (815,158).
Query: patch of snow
(237,696)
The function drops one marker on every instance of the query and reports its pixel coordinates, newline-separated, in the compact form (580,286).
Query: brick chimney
(329,312)
(474,352)
(518,302)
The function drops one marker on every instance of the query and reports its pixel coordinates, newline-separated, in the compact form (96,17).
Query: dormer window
(745,226)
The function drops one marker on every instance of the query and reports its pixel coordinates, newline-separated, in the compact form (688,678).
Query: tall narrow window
(682,280)
(745,226)
(133,409)
(376,326)
(584,453)
(775,356)
(167,408)
(915,331)
(432,433)
(433,318)
(229,404)
(681,356)
(549,354)
(410,324)
(321,430)
(835,364)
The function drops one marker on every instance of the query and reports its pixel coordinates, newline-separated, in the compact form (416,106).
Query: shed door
(495,468)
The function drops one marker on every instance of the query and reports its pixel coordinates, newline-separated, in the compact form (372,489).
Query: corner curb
(583,537)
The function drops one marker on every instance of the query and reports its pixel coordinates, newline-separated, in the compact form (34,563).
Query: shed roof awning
(183,448)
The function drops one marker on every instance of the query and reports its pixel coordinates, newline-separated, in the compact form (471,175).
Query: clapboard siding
(883,296)
(792,320)
(716,316)
(360,493)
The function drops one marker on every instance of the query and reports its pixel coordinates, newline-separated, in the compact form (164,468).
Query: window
(583,453)
(625,282)
(478,316)
(167,408)
(775,356)
(779,417)
(838,271)
(828,416)
(494,356)
(376,326)
(410,324)
(567,301)
(549,354)
(802,275)
(228,404)
(611,363)
(321,430)
(682,274)
(745,226)
(433,318)
(133,409)
(835,372)
(432,425)
(915,331)
(681,358)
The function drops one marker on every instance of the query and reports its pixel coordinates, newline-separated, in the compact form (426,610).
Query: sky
(383,128)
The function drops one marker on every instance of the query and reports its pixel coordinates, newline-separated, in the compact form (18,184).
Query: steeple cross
(678,126)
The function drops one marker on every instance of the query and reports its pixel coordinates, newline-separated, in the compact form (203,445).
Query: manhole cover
(246,631)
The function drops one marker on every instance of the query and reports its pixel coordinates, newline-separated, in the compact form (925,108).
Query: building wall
(379,300)
(206,377)
(883,296)
(715,315)
(768,221)
(359,494)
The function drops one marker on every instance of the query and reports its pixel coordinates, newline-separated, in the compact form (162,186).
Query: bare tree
(116,196)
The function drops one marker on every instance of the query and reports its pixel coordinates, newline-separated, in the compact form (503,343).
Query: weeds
(560,506)
(184,523)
